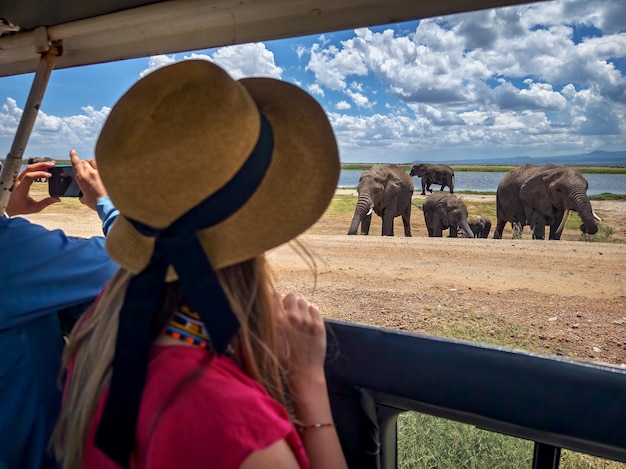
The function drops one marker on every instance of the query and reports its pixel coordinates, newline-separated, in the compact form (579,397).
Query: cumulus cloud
(240,61)
(52,135)
(551,71)
(157,61)
(316,89)
(545,75)
(248,60)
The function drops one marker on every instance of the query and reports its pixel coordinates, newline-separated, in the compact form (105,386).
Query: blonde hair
(249,289)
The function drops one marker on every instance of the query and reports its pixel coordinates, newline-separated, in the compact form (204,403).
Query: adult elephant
(434,174)
(443,211)
(480,226)
(386,190)
(543,195)
(39,159)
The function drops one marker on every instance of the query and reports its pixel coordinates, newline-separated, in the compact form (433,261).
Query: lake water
(488,182)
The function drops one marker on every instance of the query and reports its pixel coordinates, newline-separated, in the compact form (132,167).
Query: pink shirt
(215,420)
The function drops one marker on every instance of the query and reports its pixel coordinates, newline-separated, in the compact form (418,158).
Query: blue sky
(542,79)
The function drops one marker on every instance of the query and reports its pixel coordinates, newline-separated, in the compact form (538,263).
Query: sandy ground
(566,297)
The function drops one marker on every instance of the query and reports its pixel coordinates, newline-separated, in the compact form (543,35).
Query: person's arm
(275,456)
(94,194)
(305,332)
(46,269)
(107,213)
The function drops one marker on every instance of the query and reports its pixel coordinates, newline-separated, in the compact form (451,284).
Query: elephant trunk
(363,207)
(583,207)
(464,225)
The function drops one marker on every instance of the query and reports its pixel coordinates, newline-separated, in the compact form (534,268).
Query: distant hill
(595,158)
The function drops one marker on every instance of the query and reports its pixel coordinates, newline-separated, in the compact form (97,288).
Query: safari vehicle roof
(95,31)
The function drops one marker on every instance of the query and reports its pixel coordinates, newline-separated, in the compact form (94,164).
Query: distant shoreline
(589,169)
(601,169)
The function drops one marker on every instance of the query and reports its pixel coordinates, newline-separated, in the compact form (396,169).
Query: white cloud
(512,76)
(248,60)
(360,99)
(157,61)
(343,106)
(537,96)
(532,78)
(316,89)
(52,135)
(240,61)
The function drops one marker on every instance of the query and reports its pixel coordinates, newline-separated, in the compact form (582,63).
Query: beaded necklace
(187,327)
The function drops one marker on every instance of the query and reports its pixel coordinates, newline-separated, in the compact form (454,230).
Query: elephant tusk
(562,225)
(596,216)
(370,212)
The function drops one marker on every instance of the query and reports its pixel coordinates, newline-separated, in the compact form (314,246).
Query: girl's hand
(304,333)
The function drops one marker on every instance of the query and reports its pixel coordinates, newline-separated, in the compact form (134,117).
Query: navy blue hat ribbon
(179,246)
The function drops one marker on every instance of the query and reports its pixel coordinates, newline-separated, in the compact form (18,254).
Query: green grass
(429,442)
(474,328)
(607,196)
(341,205)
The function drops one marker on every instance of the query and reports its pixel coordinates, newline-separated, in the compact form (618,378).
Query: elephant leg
(365,224)
(437,229)
(423,186)
(553,233)
(407,223)
(486,229)
(538,231)
(387,223)
(429,226)
(454,232)
(497,234)
(554,226)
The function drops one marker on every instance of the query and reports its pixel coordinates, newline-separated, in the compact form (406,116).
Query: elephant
(39,159)
(540,195)
(434,174)
(443,211)
(480,226)
(387,190)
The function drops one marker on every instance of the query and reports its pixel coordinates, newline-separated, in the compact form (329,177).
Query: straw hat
(183,131)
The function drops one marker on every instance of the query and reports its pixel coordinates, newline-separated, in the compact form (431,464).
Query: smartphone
(63,183)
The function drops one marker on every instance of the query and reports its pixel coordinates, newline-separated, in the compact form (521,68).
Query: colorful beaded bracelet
(303,428)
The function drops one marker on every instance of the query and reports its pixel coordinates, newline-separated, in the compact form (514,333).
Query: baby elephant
(443,211)
(480,225)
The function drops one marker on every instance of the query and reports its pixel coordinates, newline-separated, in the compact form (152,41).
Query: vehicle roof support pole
(13,161)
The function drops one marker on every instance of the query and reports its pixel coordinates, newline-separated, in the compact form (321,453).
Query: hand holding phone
(63,182)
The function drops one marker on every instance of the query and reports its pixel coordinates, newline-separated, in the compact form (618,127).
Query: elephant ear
(534,192)
(392,190)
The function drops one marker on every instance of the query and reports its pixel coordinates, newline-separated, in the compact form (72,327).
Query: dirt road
(556,297)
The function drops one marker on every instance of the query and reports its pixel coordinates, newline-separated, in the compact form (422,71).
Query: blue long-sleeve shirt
(44,274)
(43,271)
